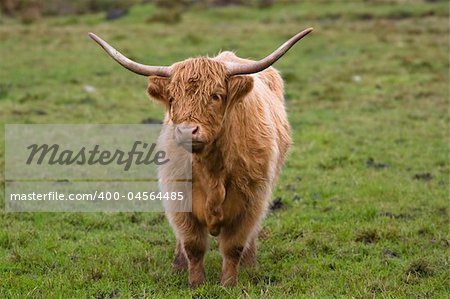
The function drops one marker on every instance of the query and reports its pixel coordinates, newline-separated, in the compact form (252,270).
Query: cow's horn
(140,69)
(257,66)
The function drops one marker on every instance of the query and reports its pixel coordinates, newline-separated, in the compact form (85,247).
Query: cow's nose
(187,132)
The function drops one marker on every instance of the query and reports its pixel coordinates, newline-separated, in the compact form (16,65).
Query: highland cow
(230,112)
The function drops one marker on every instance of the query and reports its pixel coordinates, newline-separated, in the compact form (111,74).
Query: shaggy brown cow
(231,112)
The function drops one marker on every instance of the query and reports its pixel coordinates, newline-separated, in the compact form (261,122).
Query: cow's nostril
(187,131)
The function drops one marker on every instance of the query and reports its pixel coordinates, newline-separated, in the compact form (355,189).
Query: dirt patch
(336,162)
(426,176)
(446,243)
(396,216)
(367,236)
(365,16)
(40,112)
(327,209)
(424,231)
(108,295)
(420,268)
(96,274)
(276,204)
(442,211)
(371,163)
(135,218)
(115,13)
(17,112)
(319,246)
(290,187)
(332,266)
(389,253)
(441,242)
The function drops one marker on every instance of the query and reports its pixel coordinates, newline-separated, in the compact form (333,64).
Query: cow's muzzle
(188,136)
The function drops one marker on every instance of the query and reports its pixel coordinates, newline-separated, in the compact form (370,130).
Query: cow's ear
(239,87)
(157,88)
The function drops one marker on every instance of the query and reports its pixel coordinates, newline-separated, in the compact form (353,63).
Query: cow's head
(198,92)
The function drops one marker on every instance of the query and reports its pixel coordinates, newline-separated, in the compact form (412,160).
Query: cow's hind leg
(180,262)
(248,258)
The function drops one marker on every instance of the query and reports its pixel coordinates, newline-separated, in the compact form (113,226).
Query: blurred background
(362,206)
(171,10)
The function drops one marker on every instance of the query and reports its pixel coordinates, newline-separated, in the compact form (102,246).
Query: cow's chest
(203,199)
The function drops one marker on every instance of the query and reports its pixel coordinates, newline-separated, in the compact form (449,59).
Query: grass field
(364,194)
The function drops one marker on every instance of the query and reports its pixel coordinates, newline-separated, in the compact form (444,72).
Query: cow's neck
(211,159)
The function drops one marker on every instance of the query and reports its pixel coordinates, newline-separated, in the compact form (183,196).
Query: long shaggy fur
(243,123)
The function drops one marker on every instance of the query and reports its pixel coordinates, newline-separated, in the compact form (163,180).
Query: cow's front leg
(195,249)
(193,239)
(233,245)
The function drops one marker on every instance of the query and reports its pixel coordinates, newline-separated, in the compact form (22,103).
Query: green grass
(358,220)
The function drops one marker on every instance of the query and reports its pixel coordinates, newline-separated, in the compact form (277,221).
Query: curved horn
(140,69)
(257,66)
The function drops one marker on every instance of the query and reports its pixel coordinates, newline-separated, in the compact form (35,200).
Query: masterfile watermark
(140,153)
(84,168)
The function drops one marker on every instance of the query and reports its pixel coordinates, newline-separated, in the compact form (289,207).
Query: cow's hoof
(179,263)
(228,281)
(195,284)
(196,279)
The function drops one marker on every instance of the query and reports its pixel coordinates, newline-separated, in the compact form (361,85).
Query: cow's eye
(216,97)
(170,101)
